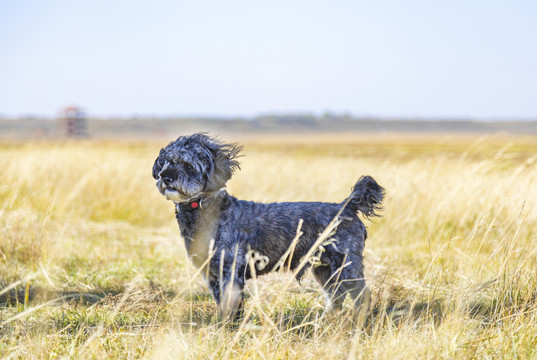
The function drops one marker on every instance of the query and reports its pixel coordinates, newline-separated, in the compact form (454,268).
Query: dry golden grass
(92,266)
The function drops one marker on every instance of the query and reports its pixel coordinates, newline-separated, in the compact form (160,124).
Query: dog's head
(194,166)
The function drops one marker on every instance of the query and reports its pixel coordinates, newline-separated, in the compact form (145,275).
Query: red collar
(190,205)
(195,204)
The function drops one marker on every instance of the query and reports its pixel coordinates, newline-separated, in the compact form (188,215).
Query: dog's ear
(224,163)
(157,166)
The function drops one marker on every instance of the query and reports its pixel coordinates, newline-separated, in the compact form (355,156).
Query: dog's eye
(189,167)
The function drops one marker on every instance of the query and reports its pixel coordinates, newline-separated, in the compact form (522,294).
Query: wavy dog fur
(220,231)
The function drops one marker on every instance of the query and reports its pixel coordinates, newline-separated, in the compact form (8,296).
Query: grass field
(92,265)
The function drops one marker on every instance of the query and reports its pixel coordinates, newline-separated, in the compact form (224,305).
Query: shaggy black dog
(228,238)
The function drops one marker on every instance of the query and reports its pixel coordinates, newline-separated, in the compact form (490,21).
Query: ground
(92,264)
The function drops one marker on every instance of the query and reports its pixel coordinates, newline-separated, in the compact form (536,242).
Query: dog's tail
(366,196)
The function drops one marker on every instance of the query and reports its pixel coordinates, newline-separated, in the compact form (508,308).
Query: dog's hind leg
(334,293)
(336,286)
(352,282)
(361,297)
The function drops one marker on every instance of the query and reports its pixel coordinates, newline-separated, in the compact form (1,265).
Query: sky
(410,59)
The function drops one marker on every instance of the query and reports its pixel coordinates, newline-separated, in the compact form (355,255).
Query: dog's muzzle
(165,185)
(169,192)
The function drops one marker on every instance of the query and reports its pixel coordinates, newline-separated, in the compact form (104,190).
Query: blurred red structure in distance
(72,121)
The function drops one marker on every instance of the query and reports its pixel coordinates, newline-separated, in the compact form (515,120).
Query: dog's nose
(167,179)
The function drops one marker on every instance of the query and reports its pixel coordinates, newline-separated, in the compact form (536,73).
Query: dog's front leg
(228,296)
(227,284)
(214,287)
(231,299)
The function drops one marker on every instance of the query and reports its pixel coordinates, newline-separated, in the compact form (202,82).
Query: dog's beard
(174,195)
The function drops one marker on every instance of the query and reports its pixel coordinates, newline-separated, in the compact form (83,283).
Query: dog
(225,236)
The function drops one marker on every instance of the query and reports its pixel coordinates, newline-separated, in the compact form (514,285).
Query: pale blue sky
(244,58)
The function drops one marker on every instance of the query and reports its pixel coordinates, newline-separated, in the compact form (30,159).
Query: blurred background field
(92,264)
(294,125)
